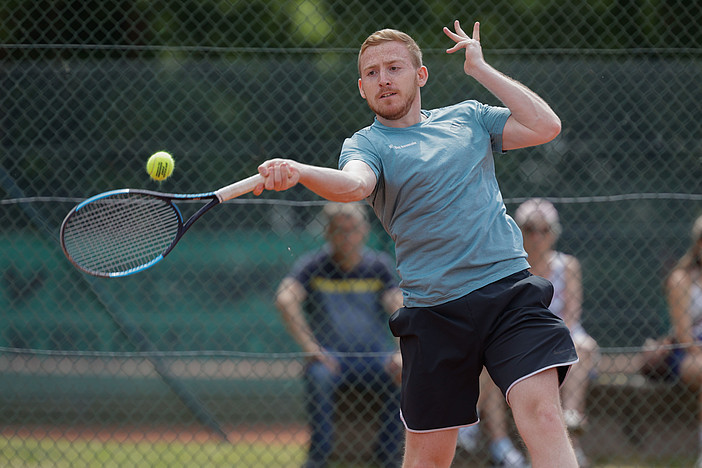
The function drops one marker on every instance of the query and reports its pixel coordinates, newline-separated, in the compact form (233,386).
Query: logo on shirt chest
(399,147)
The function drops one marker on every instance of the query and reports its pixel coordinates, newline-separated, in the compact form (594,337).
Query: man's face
(390,83)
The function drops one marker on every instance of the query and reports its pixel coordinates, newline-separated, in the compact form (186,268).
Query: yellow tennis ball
(160,165)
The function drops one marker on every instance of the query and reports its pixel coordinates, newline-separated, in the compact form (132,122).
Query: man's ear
(360,89)
(422,75)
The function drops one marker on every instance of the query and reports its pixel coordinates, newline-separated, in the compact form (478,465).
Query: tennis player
(468,298)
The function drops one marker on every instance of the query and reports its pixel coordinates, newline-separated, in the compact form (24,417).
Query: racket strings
(120,232)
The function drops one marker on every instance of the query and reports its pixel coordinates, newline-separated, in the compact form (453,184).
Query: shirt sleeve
(494,120)
(359,148)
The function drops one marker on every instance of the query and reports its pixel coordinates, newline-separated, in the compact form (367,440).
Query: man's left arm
(532,122)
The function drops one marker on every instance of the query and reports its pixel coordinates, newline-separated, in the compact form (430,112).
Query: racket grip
(238,188)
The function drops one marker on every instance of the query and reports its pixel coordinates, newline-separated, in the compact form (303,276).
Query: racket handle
(239,188)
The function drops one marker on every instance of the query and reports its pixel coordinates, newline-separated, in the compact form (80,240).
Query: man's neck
(412,117)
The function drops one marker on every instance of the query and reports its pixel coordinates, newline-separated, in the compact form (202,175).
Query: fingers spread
(456,38)
(457,27)
(451,34)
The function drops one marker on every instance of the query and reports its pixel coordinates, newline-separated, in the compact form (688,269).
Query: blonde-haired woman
(684,294)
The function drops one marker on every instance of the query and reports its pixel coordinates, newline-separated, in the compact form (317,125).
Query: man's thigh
(535,393)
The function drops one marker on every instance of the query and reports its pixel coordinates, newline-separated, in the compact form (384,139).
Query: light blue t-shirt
(438,198)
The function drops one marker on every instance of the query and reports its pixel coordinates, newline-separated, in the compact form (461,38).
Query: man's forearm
(335,185)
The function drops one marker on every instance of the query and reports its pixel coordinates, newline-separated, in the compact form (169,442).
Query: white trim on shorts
(415,431)
(569,364)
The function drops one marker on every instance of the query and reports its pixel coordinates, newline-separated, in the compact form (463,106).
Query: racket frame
(219,196)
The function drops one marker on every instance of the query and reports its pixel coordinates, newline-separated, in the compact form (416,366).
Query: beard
(395,113)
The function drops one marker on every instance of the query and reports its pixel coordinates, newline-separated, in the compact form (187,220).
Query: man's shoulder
(463,106)
(473,113)
(363,139)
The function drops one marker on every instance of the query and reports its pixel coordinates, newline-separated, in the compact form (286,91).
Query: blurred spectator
(684,293)
(335,303)
(539,222)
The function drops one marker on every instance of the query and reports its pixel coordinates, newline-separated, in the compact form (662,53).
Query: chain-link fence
(189,363)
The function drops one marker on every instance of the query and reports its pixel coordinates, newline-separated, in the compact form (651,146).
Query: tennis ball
(160,165)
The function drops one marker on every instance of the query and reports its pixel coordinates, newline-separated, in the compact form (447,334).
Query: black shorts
(505,326)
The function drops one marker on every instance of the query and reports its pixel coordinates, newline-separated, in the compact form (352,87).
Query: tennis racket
(122,232)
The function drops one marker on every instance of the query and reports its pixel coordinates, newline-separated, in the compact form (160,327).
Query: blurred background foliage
(247,24)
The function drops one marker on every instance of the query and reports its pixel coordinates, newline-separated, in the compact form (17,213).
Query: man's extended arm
(355,182)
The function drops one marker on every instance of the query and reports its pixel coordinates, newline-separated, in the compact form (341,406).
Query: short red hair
(390,35)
